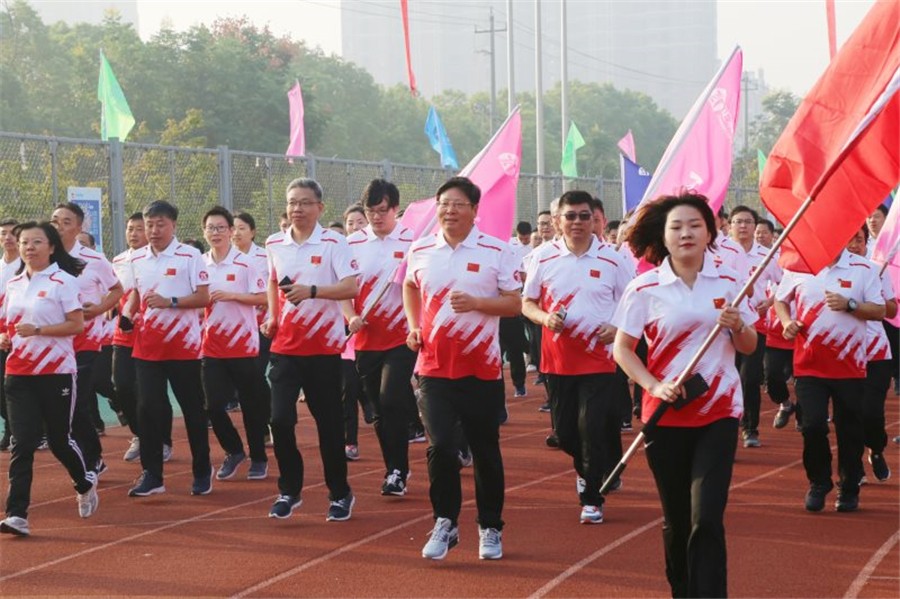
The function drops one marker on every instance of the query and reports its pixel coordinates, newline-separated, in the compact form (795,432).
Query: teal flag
(760,161)
(116,119)
(569,164)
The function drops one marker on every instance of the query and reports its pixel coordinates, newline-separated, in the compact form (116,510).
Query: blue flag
(439,140)
(635,181)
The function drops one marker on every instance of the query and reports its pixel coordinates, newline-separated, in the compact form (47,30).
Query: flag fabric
(404,13)
(569,163)
(635,180)
(626,145)
(700,154)
(841,147)
(297,144)
(495,170)
(439,140)
(885,250)
(832,29)
(116,119)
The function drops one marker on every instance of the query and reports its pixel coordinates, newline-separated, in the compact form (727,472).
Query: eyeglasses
(302,204)
(543,223)
(455,205)
(378,211)
(743,221)
(216,228)
(582,216)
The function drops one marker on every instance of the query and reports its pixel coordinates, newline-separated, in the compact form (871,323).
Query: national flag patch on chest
(473,267)
(230,277)
(595,273)
(315,259)
(719,302)
(171,272)
(42,293)
(845,284)
(398,255)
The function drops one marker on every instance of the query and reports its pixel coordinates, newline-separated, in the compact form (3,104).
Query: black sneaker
(394,484)
(846,503)
(879,466)
(5,441)
(783,416)
(417,435)
(284,506)
(552,441)
(626,427)
(203,484)
(815,497)
(146,485)
(230,465)
(341,509)
(540,379)
(545,407)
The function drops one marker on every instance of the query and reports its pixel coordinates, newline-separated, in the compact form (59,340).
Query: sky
(786,38)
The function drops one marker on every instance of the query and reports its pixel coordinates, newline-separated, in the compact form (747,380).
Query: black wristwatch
(852,305)
(313,290)
(174,302)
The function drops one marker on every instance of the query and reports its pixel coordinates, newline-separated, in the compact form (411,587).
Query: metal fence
(36,171)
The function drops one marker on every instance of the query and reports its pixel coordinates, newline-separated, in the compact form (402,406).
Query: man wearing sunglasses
(571,289)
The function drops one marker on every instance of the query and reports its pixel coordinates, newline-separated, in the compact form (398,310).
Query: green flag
(761,161)
(569,165)
(115,115)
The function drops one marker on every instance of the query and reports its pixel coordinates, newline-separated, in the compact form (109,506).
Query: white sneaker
(444,537)
(88,502)
(490,543)
(591,514)
(580,484)
(134,450)
(15,526)
(531,368)
(167,452)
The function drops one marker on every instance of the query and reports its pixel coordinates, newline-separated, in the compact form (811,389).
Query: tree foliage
(227,84)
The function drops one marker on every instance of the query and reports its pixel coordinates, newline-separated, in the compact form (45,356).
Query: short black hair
(523,228)
(161,208)
(247,218)
(576,197)
(218,211)
(767,224)
(90,237)
(355,208)
(136,216)
(73,208)
(379,189)
(882,208)
(544,213)
(612,225)
(8,222)
(195,243)
(465,185)
(597,204)
(741,208)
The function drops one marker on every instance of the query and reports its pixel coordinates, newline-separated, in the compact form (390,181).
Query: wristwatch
(852,305)
(174,302)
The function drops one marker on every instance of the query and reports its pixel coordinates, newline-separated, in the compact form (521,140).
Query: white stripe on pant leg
(73,398)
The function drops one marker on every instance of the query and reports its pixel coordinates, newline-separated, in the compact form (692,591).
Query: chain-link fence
(36,171)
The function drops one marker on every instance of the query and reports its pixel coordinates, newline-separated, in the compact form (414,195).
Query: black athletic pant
(320,379)
(102,381)
(472,403)
(36,404)
(513,345)
(351,398)
(221,377)
(533,332)
(153,399)
(586,411)
(83,429)
(692,467)
(751,370)
(125,382)
(640,350)
(846,395)
(878,380)
(386,379)
(262,365)
(3,413)
(778,365)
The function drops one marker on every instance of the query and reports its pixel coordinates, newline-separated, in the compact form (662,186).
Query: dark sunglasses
(582,216)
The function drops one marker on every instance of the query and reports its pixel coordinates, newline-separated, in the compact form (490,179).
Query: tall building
(664,48)
(79,11)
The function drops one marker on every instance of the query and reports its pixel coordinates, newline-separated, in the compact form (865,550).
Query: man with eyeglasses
(384,362)
(571,289)
(311,269)
(750,255)
(458,284)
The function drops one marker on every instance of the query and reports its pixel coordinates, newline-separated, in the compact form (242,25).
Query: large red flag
(841,148)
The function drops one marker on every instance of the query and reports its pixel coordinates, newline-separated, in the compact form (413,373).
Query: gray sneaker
(89,500)
(230,465)
(134,450)
(444,537)
(284,506)
(15,525)
(341,509)
(258,470)
(167,452)
(490,543)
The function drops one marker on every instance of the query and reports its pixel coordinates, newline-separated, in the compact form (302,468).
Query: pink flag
(626,144)
(297,147)
(886,247)
(495,170)
(699,156)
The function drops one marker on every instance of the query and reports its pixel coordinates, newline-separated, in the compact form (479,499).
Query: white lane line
(866,573)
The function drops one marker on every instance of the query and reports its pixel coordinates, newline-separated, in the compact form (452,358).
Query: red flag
(832,35)
(841,148)
(404,12)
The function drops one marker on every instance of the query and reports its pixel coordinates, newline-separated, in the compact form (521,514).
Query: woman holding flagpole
(691,454)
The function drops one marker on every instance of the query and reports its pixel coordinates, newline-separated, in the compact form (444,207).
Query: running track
(223,545)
